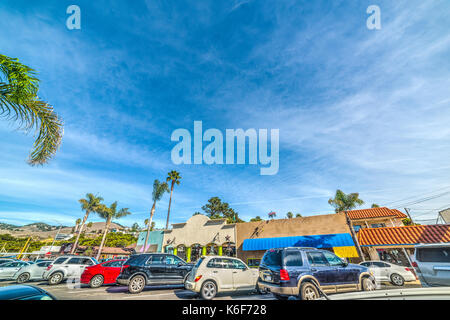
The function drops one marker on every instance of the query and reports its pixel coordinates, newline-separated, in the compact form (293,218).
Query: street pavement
(70,291)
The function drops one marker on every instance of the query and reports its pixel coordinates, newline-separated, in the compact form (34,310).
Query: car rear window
(293,258)
(199,262)
(272,258)
(433,254)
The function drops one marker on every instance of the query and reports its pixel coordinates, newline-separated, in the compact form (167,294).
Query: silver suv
(432,264)
(66,267)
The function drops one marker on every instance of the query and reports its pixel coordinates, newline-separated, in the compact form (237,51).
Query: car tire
(96,281)
(280,297)
(136,285)
(308,291)
(367,284)
(55,278)
(208,290)
(24,277)
(397,280)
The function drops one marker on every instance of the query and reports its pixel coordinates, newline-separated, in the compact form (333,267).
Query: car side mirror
(344,263)
(180,264)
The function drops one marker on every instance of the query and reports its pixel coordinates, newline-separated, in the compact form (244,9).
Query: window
(236,264)
(433,254)
(333,260)
(253,263)
(365,264)
(356,228)
(74,261)
(156,259)
(378,225)
(293,258)
(272,258)
(43,264)
(227,264)
(215,263)
(116,264)
(173,260)
(317,259)
(60,260)
(107,264)
(199,262)
(380,264)
(86,261)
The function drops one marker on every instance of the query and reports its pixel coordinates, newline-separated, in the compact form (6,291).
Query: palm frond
(19,102)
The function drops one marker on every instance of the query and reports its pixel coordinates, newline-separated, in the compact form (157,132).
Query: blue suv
(304,272)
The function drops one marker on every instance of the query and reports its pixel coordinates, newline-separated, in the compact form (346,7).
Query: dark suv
(304,272)
(153,269)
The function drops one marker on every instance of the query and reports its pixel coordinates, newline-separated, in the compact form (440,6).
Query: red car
(102,273)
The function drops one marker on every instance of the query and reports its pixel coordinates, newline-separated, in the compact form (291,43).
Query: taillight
(49,267)
(197,278)
(125,266)
(284,275)
(414,264)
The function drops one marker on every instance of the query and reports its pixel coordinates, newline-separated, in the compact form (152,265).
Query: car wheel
(397,280)
(96,281)
(55,278)
(137,284)
(308,291)
(24,277)
(209,290)
(368,284)
(279,297)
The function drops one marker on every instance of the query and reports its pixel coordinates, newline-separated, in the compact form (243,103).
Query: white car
(66,267)
(8,269)
(31,272)
(432,264)
(214,274)
(388,272)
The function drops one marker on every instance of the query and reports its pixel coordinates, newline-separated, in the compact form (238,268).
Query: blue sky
(361,110)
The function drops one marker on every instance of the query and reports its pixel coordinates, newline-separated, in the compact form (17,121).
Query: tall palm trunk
(108,222)
(79,232)
(149,226)
(170,201)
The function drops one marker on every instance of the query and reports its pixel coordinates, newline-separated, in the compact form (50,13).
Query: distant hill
(42,230)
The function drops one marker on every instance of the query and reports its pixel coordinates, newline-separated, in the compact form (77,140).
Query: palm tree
(77,222)
(19,102)
(374,205)
(343,202)
(289,215)
(90,204)
(158,191)
(152,226)
(109,214)
(174,177)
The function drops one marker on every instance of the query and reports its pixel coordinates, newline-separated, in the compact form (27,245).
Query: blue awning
(315,241)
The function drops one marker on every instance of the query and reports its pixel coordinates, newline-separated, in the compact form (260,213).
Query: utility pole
(407,212)
(355,239)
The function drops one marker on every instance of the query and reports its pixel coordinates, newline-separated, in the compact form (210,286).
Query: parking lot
(70,291)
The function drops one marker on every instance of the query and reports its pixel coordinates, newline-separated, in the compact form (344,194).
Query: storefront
(329,232)
(200,236)
(396,244)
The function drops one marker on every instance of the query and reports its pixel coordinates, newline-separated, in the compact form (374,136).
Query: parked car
(5,260)
(8,269)
(432,264)
(24,292)
(102,273)
(67,267)
(33,271)
(153,269)
(305,272)
(434,293)
(388,272)
(214,274)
